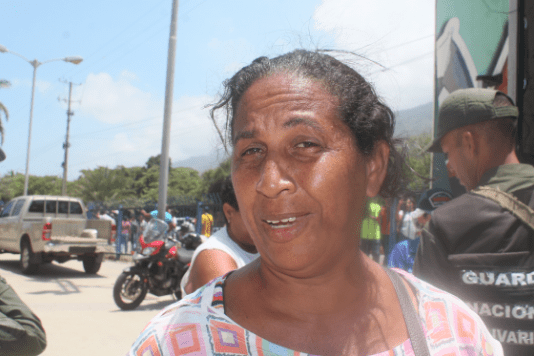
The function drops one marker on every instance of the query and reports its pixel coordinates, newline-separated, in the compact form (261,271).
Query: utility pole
(66,145)
(164,162)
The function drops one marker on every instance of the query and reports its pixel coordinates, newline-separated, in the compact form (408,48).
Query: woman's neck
(346,283)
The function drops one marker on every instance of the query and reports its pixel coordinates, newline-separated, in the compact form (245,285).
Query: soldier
(479,246)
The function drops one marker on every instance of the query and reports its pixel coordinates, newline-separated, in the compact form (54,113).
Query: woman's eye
(251,151)
(307,144)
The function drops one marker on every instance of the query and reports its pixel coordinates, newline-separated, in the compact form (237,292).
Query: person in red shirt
(385,225)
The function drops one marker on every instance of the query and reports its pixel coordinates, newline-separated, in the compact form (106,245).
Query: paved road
(77,310)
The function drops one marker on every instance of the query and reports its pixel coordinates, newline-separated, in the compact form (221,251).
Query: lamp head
(73,59)
(3,49)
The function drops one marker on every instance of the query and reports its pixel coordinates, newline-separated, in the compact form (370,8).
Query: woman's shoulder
(448,322)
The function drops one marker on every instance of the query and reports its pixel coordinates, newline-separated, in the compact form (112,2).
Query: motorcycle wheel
(129,291)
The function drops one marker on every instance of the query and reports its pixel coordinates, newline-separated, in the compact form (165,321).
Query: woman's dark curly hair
(369,119)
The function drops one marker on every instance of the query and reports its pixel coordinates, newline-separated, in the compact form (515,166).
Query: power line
(180,134)
(121,32)
(409,42)
(413,59)
(134,122)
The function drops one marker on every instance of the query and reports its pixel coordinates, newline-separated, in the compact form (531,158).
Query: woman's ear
(377,167)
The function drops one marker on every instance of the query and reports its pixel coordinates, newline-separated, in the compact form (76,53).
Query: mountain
(202,163)
(411,122)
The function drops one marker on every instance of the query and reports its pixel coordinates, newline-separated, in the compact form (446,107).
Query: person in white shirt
(228,249)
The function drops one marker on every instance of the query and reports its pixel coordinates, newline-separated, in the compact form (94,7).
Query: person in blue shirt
(403,254)
(154,214)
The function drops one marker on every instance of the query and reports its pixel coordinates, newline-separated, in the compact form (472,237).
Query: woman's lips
(286,228)
(277,224)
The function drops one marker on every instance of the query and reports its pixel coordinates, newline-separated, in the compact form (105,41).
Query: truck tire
(91,264)
(26,256)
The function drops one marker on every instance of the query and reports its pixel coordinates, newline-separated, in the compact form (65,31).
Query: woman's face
(299,178)
(409,205)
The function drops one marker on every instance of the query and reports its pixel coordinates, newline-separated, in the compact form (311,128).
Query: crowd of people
(133,222)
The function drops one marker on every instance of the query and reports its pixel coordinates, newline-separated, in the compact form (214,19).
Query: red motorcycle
(160,262)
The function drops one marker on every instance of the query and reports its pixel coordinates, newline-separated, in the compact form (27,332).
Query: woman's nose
(274,180)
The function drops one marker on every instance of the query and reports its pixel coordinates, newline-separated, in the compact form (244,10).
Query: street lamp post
(35,64)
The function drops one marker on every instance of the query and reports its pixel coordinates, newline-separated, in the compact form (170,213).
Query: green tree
(155,161)
(183,182)
(12,185)
(101,184)
(3,84)
(3,109)
(213,175)
(418,162)
(47,185)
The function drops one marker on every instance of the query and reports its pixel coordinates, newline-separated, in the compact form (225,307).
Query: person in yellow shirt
(207,222)
(370,232)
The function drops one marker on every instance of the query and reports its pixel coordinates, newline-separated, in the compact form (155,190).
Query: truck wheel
(91,264)
(26,255)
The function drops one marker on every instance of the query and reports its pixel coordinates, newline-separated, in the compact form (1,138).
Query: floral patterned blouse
(197,326)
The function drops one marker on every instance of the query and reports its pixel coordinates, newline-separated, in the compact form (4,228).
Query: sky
(119,88)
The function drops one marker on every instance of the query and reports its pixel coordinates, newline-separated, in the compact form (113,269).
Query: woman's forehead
(301,96)
(281,83)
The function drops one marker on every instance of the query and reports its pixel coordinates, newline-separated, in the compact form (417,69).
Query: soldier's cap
(433,198)
(466,107)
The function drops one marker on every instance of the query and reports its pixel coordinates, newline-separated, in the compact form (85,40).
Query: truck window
(51,206)
(7,209)
(37,206)
(75,208)
(62,207)
(18,207)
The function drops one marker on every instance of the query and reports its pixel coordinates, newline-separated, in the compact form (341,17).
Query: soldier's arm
(21,331)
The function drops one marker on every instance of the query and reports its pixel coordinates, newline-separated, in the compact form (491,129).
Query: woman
(311,143)
(125,232)
(405,220)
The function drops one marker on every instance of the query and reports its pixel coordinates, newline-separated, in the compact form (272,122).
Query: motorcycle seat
(185,256)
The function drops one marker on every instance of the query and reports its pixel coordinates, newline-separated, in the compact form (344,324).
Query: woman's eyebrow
(244,135)
(302,121)
(289,123)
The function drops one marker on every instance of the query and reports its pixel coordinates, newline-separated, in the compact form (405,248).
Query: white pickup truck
(44,228)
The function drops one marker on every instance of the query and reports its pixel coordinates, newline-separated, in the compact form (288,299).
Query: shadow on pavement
(48,271)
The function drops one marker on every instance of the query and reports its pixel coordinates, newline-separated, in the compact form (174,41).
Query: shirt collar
(509,177)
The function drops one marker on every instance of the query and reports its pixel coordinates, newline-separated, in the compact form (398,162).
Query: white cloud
(134,120)
(122,143)
(397,34)
(113,102)
(232,68)
(129,75)
(41,86)
(227,51)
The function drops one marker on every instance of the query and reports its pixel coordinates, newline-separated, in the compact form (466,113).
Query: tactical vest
(499,287)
